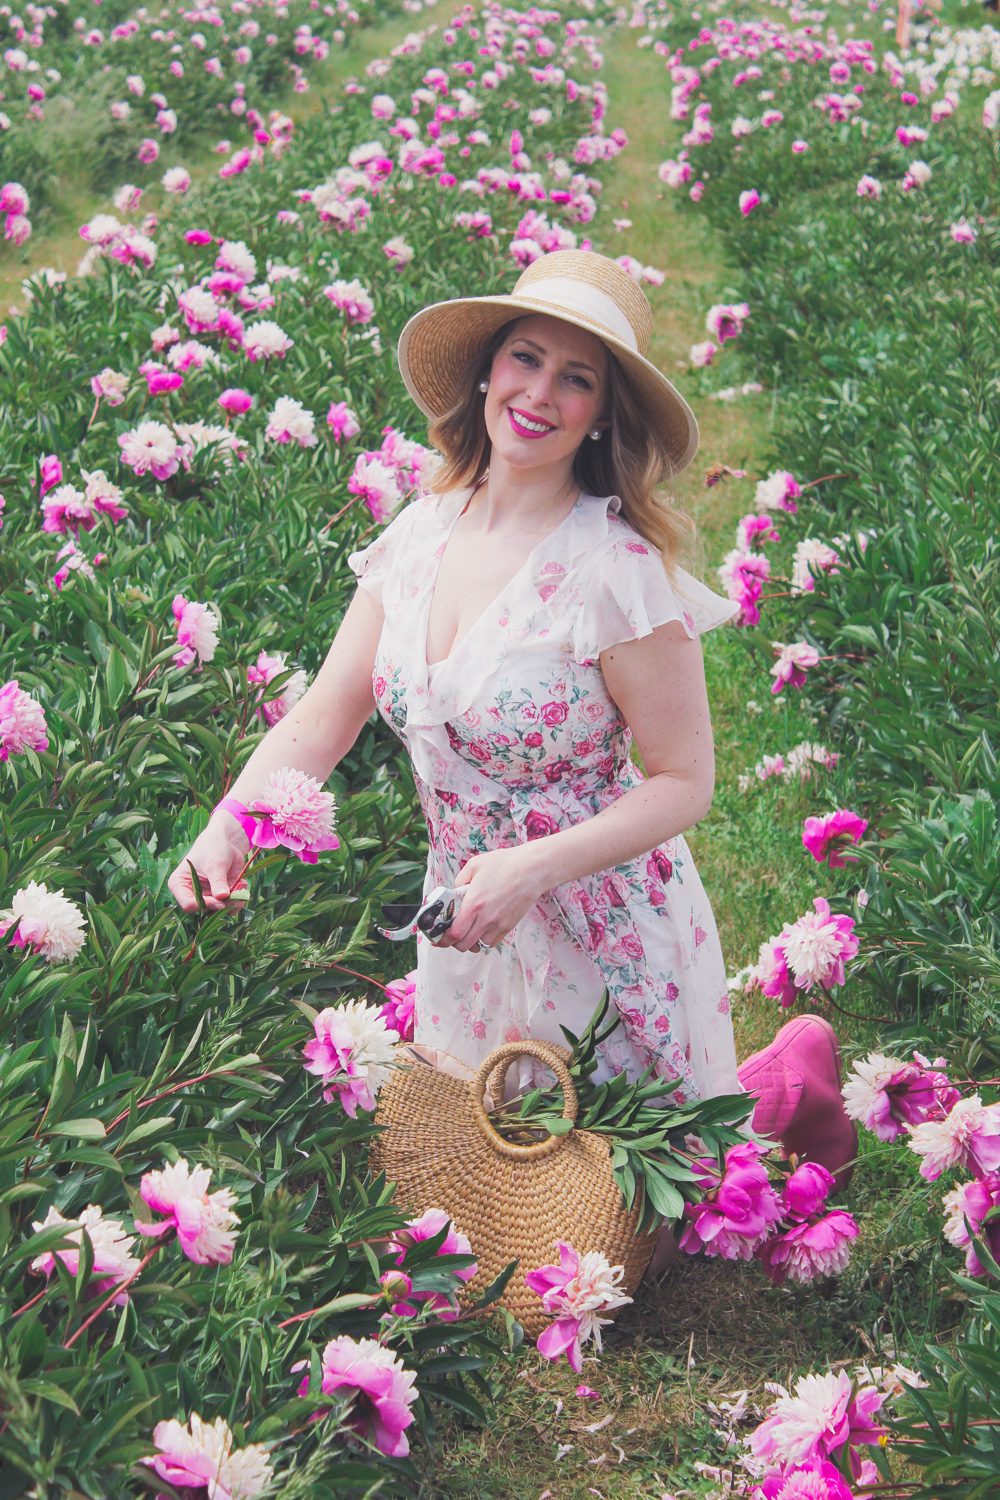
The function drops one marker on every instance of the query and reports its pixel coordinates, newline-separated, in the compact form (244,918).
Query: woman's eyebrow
(542,350)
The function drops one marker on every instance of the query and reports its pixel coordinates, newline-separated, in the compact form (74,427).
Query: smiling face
(548,390)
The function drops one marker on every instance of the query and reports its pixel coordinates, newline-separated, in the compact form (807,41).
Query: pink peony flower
(416,1231)
(725,320)
(826,837)
(109,386)
(770,974)
(739,1208)
(380,1389)
(162,382)
(792,664)
(205,1223)
(65,510)
(397,252)
(342,421)
(743,574)
(973,1202)
(13,199)
(816,1481)
(575,1293)
(112,1247)
(805,1251)
(294,812)
(968,1136)
(888,1095)
(353,299)
(376,483)
(235,401)
(825,1415)
(148,151)
(176,180)
(260,675)
(73,561)
(753,531)
(963,233)
(51,473)
(397,1012)
(702,354)
(806,1190)
(869,187)
(353,1052)
(22,722)
(749,201)
(291,422)
(198,1455)
(45,921)
(779,491)
(811,557)
(197,631)
(817,945)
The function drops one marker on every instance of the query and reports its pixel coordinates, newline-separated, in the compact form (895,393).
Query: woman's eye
(524,355)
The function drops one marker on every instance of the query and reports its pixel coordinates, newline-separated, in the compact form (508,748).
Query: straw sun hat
(440,343)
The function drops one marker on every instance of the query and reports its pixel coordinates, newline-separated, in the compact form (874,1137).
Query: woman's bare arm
(316,734)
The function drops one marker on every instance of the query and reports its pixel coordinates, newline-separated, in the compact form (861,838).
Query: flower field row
(194,434)
(98,105)
(854,189)
(823,165)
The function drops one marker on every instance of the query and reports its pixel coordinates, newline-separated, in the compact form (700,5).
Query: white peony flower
(46,921)
(265,340)
(291,422)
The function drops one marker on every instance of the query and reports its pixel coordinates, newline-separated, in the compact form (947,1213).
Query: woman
(520,627)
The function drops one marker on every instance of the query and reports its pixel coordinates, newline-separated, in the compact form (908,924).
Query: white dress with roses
(514,736)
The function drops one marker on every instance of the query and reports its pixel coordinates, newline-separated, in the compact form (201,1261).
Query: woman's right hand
(218,855)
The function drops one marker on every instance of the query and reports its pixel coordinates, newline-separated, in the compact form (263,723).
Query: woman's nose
(540,387)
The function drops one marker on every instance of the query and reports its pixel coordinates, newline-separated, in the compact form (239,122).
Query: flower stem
(117,1290)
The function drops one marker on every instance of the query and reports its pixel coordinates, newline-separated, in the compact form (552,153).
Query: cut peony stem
(120,1287)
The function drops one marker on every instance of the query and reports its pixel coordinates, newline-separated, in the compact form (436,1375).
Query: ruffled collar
(528,603)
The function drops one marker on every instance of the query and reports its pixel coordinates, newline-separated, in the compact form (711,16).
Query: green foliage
(885,368)
(173,1036)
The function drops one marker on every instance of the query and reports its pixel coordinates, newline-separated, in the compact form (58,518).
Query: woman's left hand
(499,889)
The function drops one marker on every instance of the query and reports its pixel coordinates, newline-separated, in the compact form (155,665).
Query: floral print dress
(514,736)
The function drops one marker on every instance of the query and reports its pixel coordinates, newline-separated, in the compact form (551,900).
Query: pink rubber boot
(797,1081)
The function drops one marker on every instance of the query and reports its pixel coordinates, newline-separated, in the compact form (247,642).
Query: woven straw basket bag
(513,1201)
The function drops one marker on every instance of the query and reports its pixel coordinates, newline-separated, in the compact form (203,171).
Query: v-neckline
(456,645)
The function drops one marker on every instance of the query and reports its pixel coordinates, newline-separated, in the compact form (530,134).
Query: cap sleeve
(629,594)
(373,563)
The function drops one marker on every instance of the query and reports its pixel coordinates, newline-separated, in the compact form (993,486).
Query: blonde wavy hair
(628,461)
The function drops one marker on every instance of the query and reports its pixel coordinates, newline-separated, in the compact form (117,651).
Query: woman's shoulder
(627,589)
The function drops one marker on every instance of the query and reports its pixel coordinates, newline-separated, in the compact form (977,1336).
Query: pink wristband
(241,813)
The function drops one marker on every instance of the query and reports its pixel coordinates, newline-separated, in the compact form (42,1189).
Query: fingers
(214,882)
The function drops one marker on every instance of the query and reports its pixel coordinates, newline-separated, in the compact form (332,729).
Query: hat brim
(439,343)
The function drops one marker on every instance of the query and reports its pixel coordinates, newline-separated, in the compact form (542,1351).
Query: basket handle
(477,1087)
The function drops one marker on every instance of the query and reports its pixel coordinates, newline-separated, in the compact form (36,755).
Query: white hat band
(584,300)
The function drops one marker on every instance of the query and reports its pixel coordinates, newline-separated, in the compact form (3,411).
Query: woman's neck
(533,500)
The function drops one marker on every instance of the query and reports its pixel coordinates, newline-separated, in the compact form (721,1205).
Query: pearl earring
(484,386)
(595,435)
